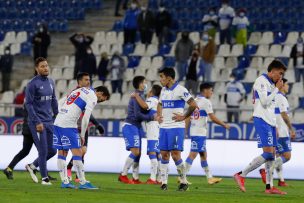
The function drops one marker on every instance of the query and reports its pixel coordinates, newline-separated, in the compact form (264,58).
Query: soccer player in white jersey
(285,132)
(152,130)
(66,135)
(198,130)
(265,89)
(172,129)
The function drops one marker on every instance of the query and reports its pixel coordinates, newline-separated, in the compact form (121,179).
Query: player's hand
(292,134)
(82,141)
(157,118)
(178,117)
(227,126)
(100,129)
(39,127)
(134,94)
(279,84)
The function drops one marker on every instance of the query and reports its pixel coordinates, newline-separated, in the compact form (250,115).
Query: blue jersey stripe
(256,94)
(203,113)
(80,103)
(152,112)
(277,110)
(171,104)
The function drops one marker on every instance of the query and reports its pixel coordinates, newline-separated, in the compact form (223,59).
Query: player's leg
(284,155)
(193,153)
(152,150)
(165,157)
(51,150)
(210,179)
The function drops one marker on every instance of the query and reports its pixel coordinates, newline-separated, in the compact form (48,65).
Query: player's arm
(97,124)
(29,103)
(192,106)
(140,101)
(86,117)
(288,123)
(159,117)
(263,95)
(218,121)
(54,102)
(140,115)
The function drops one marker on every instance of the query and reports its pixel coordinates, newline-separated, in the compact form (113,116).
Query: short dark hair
(284,80)
(205,86)
(156,89)
(137,80)
(168,72)
(81,75)
(104,91)
(38,60)
(276,64)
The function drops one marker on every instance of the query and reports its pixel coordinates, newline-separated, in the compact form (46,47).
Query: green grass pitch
(22,189)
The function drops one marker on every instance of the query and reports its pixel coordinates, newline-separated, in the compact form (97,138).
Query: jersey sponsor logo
(71,99)
(186,94)
(84,90)
(65,141)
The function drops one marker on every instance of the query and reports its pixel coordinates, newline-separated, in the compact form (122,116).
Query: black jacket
(294,56)
(40,48)
(89,64)
(146,23)
(163,19)
(103,68)
(6,63)
(81,47)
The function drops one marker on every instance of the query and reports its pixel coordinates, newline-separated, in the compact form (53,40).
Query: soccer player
(41,104)
(66,135)
(152,130)
(132,132)
(198,130)
(172,130)
(83,80)
(284,129)
(265,89)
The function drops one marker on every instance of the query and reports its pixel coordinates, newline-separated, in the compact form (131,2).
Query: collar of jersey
(155,97)
(268,78)
(42,77)
(200,96)
(173,86)
(282,93)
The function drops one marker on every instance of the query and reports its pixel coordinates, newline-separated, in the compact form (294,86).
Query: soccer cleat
(32,173)
(179,180)
(87,186)
(125,179)
(263,175)
(70,174)
(282,184)
(151,182)
(52,178)
(9,173)
(164,187)
(68,185)
(275,191)
(183,187)
(240,181)
(212,181)
(46,181)
(136,181)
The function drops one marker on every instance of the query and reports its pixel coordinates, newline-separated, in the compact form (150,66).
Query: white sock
(78,165)
(33,166)
(188,164)
(129,162)
(164,171)
(62,166)
(181,169)
(278,164)
(269,167)
(254,164)
(136,170)
(205,166)
(154,167)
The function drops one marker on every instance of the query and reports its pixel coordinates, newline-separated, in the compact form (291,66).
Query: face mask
(211,13)
(133,6)
(145,88)
(242,14)
(143,8)
(225,5)
(231,79)
(205,37)
(40,29)
(80,39)
(161,9)
(7,52)
(89,51)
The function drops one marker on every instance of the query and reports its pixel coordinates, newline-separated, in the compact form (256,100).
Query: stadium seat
(255,38)
(56,73)
(286,51)
(231,62)
(263,50)
(290,75)
(111,37)
(140,49)
(152,75)
(224,50)
(246,116)
(100,37)
(151,50)
(72,85)
(115,99)
(10,37)
(21,37)
(120,38)
(116,48)
(129,74)
(164,49)
(104,48)
(133,61)
(118,26)
(219,62)
(244,62)
(15,48)
(68,73)
(237,50)
(157,62)
(195,37)
(280,38)
(128,49)
(267,38)
(140,71)
(169,62)
(298,116)
(297,89)
(251,75)
(125,99)
(275,50)
(107,113)
(119,114)
(145,62)
(220,87)
(266,63)
(61,85)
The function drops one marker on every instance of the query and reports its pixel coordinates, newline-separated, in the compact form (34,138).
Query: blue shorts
(66,138)
(171,139)
(152,146)
(198,144)
(132,136)
(266,134)
(284,145)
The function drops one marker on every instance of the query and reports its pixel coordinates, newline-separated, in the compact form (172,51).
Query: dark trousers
(163,36)
(6,78)
(298,73)
(130,36)
(146,36)
(44,144)
(118,2)
(233,111)
(27,146)
(77,67)
(225,36)
(116,86)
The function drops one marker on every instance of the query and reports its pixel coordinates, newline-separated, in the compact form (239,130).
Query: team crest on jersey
(72,98)
(186,94)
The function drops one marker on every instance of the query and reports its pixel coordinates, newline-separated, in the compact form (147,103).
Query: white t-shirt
(234,91)
(199,118)
(173,101)
(152,126)
(207,18)
(264,92)
(79,100)
(226,15)
(240,22)
(281,106)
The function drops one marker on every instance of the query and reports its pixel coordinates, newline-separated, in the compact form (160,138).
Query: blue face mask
(145,88)
(205,37)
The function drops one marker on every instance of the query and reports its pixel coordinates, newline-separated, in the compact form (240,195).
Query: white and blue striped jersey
(152,126)
(173,101)
(199,118)
(264,92)
(281,106)
(79,100)
(235,91)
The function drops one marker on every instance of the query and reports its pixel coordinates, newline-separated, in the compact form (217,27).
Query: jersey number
(196,114)
(72,98)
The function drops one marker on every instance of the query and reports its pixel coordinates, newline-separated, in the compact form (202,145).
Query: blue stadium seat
(153,4)
(248,87)
(26,48)
(250,49)
(118,26)
(63,26)
(239,73)
(133,61)
(2,35)
(280,38)
(128,49)
(169,62)
(164,49)
(285,60)
(244,62)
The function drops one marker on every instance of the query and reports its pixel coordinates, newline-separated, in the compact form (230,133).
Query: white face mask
(211,13)
(133,6)
(225,5)
(145,87)
(161,9)
(7,52)
(41,29)
(205,37)
(242,14)
(143,8)
(89,51)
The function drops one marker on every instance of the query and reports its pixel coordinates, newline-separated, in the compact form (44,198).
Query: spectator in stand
(130,23)
(89,63)
(6,67)
(102,70)
(19,100)
(41,42)
(194,70)
(116,69)
(145,23)
(241,22)
(208,51)
(235,93)
(183,51)
(81,42)
(226,14)
(297,54)
(162,25)
(117,6)
(210,22)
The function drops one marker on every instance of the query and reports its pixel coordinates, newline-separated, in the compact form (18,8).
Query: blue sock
(152,156)
(178,162)
(204,164)
(189,161)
